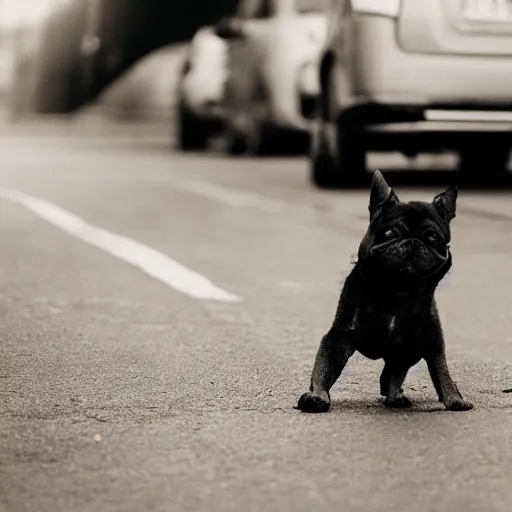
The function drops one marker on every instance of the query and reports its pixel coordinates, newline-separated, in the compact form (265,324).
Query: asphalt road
(120,392)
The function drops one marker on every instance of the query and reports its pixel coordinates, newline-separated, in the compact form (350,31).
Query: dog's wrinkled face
(407,244)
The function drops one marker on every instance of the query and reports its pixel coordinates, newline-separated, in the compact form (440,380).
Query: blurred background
(58,55)
(273,76)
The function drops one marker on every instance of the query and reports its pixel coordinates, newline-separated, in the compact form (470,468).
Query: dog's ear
(446,203)
(381,194)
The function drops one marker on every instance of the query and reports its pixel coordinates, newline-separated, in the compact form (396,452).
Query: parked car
(271,86)
(414,76)
(201,90)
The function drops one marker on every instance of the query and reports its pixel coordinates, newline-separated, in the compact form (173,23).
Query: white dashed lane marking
(229,197)
(150,261)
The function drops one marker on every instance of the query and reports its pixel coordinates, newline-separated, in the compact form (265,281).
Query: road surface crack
(97,418)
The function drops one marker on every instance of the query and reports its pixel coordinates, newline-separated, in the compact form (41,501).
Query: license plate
(487,10)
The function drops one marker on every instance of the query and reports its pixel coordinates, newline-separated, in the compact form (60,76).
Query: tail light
(389,8)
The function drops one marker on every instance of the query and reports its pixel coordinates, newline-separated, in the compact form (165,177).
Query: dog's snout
(405,248)
(411,246)
(416,245)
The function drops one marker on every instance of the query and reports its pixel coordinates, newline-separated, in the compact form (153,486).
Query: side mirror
(229,28)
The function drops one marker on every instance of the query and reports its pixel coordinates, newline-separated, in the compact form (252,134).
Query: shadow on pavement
(376,407)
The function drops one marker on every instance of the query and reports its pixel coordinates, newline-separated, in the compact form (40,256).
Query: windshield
(312,5)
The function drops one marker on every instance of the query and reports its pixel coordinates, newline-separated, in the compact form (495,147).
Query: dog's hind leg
(384,381)
(391,382)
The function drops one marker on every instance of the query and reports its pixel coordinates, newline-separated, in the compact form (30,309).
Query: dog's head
(407,244)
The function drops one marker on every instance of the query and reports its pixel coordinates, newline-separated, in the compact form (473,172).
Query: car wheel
(192,132)
(323,171)
(477,163)
(351,156)
(338,156)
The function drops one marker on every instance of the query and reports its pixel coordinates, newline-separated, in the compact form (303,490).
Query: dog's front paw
(400,402)
(458,405)
(314,402)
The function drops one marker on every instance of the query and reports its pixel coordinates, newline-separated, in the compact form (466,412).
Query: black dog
(387,307)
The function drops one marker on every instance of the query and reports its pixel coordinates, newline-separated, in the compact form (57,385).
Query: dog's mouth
(407,263)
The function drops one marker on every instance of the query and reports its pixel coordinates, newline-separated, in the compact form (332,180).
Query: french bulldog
(387,308)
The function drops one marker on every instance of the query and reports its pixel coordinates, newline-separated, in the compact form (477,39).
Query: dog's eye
(390,234)
(432,237)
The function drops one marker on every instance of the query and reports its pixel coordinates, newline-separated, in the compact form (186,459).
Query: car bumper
(442,127)
(428,127)
(443,117)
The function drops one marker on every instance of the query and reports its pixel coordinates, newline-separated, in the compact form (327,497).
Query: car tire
(351,156)
(192,131)
(338,158)
(323,171)
(477,163)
